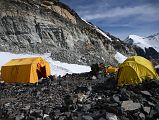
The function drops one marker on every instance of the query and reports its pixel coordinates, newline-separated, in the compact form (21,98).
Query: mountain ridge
(144,42)
(145,46)
(41,26)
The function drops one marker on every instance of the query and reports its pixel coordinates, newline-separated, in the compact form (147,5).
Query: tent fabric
(111,69)
(135,70)
(25,70)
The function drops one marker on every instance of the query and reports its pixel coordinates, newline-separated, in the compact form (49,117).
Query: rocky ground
(79,97)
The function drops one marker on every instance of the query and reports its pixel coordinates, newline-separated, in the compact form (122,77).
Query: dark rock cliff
(149,53)
(150,49)
(41,26)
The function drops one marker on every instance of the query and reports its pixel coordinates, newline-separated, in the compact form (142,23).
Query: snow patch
(100,31)
(157,66)
(57,67)
(120,57)
(87,22)
(104,34)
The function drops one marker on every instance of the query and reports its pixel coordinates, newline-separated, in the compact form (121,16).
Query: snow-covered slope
(120,57)
(157,66)
(144,42)
(98,30)
(57,67)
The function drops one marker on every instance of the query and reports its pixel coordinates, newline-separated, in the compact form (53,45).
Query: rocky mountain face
(40,26)
(145,46)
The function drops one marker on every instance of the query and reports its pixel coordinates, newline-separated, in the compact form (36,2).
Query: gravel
(79,97)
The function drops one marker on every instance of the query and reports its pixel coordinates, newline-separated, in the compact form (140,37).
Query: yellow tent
(25,70)
(134,70)
(111,69)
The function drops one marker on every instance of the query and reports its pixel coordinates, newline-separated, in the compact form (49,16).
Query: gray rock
(86,107)
(82,97)
(146,93)
(124,95)
(82,89)
(147,109)
(157,108)
(156,81)
(26,108)
(36,113)
(68,100)
(32,118)
(94,77)
(62,118)
(116,99)
(111,116)
(130,105)
(101,118)
(113,105)
(7,104)
(67,114)
(142,116)
(46,117)
(57,113)
(87,117)
(124,118)
(19,117)
(151,104)
(39,119)
(47,110)
(152,113)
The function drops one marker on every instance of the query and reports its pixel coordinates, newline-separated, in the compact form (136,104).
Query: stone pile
(79,97)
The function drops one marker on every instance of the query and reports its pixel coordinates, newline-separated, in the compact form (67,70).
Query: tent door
(41,72)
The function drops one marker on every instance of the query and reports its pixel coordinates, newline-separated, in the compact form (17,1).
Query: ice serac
(147,47)
(41,26)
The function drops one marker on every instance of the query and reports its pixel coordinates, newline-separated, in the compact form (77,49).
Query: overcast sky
(120,17)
